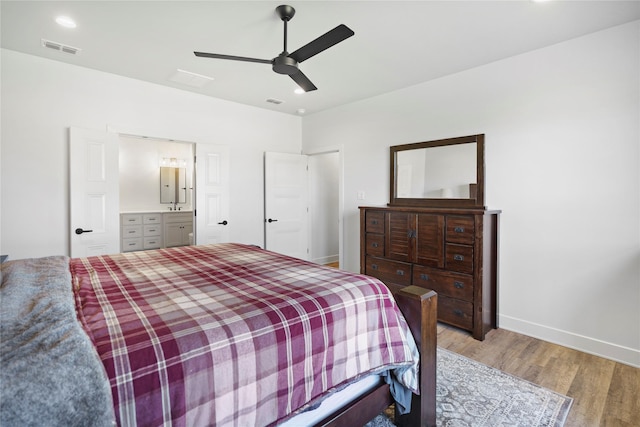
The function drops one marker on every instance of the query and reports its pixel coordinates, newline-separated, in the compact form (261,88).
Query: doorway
(325,202)
(141,159)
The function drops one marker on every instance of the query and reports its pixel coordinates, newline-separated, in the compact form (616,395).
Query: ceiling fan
(287,63)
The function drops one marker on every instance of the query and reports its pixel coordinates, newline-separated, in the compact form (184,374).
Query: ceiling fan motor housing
(283,64)
(285,12)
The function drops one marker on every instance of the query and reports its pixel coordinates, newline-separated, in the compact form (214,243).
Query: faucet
(175,206)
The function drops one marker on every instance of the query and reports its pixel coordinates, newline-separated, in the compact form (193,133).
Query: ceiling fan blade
(303,81)
(324,42)
(234,58)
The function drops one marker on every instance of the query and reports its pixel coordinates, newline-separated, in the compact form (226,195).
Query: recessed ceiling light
(66,22)
(301,111)
(299,90)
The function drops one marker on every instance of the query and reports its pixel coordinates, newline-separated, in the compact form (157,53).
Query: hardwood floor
(604,392)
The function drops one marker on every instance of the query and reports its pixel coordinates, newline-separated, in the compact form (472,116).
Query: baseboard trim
(326,259)
(618,353)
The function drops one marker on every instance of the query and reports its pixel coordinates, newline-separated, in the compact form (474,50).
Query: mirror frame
(175,177)
(477,202)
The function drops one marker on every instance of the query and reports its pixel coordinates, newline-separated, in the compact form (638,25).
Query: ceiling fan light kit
(288,63)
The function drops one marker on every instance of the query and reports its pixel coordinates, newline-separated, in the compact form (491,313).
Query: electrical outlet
(360,195)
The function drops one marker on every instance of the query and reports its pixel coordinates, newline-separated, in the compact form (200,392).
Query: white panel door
(212,194)
(93,192)
(286,204)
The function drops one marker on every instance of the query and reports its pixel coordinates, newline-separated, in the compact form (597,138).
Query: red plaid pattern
(231,334)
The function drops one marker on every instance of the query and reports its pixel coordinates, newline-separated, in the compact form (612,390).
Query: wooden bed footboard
(419,307)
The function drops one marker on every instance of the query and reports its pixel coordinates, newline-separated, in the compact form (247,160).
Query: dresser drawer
(155,218)
(131,219)
(459,258)
(391,271)
(374,222)
(375,244)
(152,230)
(151,242)
(129,231)
(445,283)
(455,312)
(460,229)
(129,245)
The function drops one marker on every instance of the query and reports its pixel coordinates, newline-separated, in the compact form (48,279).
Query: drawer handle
(400,272)
(153,218)
(132,232)
(131,220)
(458,285)
(458,257)
(374,222)
(132,244)
(459,229)
(374,266)
(152,242)
(424,276)
(374,245)
(458,312)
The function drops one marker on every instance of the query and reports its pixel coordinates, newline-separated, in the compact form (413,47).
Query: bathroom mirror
(173,185)
(442,173)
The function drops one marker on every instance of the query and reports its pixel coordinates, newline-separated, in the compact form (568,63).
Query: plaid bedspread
(231,334)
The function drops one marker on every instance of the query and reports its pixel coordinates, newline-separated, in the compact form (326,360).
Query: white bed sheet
(334,402)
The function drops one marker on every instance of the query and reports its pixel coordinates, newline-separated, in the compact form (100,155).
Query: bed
(224,334)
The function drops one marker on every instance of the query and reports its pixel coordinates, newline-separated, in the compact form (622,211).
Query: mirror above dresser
(441,173)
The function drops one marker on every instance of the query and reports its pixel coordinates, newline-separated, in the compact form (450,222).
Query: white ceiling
(396,44)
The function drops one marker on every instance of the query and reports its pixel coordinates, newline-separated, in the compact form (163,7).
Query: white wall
(41,99)
(562,162)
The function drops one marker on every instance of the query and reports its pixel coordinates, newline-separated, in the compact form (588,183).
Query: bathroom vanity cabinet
(154,230)
(177,227)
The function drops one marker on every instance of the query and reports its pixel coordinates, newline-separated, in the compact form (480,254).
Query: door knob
(272,220)
(80,231)
(223,222)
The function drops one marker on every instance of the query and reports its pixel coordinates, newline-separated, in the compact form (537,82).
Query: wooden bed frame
(419,307)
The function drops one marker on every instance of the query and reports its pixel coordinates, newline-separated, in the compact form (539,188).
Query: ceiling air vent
(60,47)
(275,101)
(190,79)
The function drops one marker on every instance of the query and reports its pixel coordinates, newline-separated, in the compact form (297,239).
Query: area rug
(471,394)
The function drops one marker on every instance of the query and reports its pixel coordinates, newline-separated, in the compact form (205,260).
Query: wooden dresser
(453,251)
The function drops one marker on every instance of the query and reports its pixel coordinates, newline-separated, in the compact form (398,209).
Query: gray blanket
(50,373)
